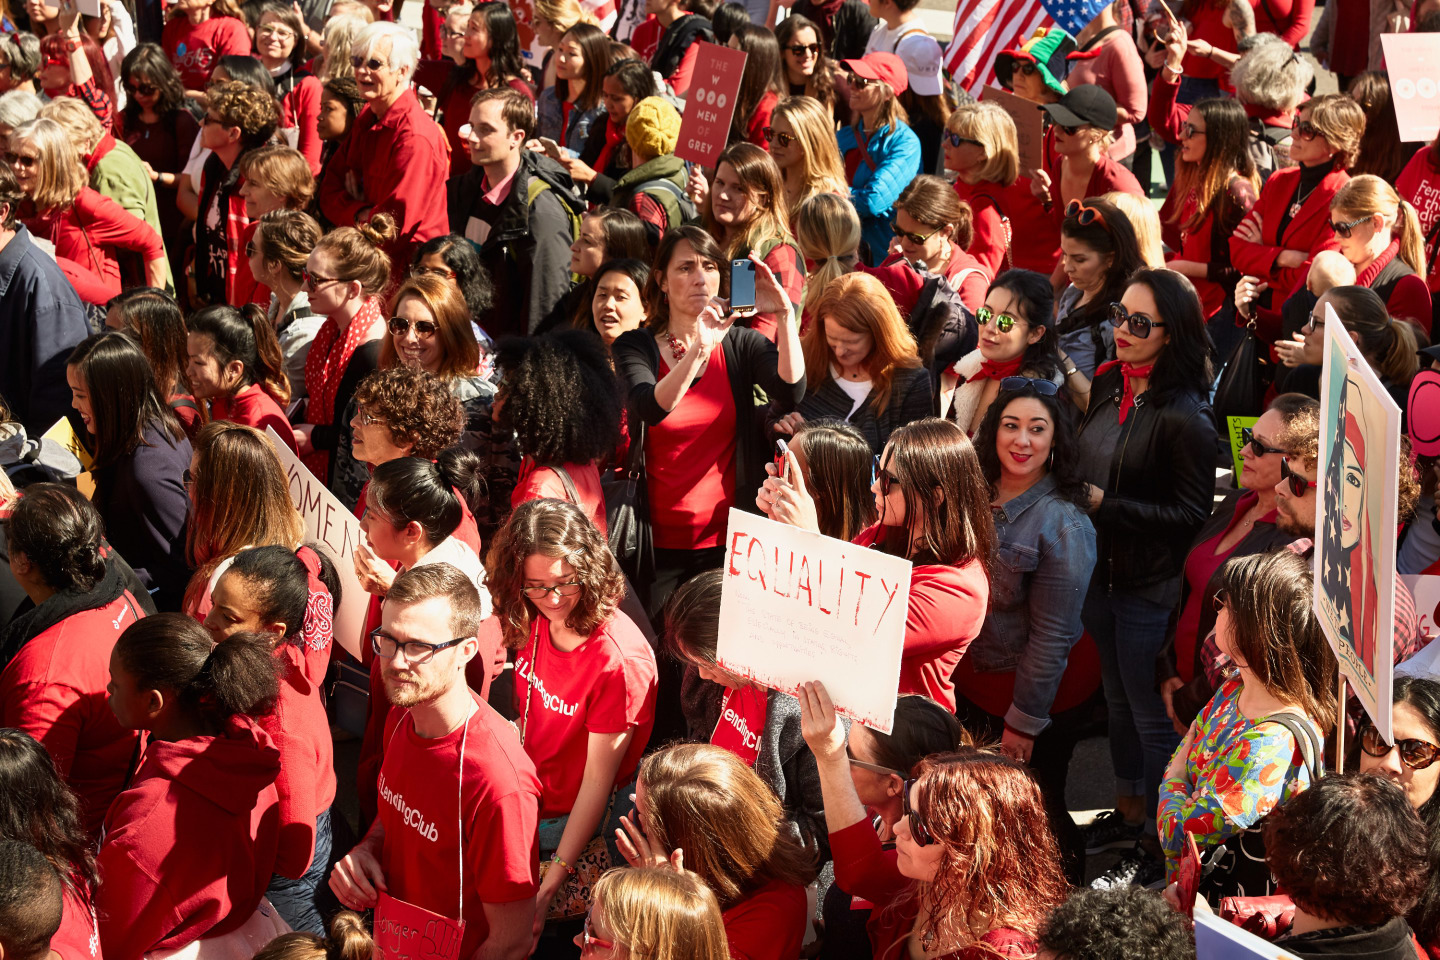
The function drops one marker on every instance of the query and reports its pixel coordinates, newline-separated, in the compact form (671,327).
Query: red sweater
(1419,183)
(306,782)
(1310,231)
(193,50)
(402,162)
(1409,299)
(214,796)
(755,131)
(1196,244)
(300,109)
(537,482)
(769,924)
(904,282)
(1107,176)
(253,407)
(434,75)
(88,232)
(54,690)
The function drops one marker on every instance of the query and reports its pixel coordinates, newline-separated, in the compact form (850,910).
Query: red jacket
(253,407)
(755,130)
(89,230)
(904,282)
(769,924)
(216,798)
(300,108)
(1287,19)
(1310,231)
(306,782)
(402,162)
(54,690)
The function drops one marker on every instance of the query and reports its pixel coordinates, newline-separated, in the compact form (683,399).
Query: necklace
(677,348)
(1300,201)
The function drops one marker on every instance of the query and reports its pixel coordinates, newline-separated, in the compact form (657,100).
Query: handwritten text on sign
(328,522)
(797,606)
(710,104)
(404,931)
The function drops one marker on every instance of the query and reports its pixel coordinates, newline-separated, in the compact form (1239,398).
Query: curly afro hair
(418,407)
(240,105)
(560,396)
(1121,923)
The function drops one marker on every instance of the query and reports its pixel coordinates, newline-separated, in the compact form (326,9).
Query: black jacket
(750,361)
(1160,489)
(676,40)
(1389,941)
(41,321)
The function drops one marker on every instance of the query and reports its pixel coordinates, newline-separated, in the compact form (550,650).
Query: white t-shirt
(458,554)
(920,52)
(856,390)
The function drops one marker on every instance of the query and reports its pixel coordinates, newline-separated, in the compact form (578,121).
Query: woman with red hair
(74,65)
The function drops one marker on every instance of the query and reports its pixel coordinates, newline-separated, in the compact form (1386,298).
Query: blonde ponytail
(1412,240)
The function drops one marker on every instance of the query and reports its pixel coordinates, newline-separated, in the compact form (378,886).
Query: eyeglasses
(415,651)
(20,160)
(440,272)
(1315,322)
(424,329)
(1342,230)
(276,30)
(784,139)
(1247,436)
(1304,129)
(250,248)
(1084,215)
(957,141)
(372,64)
(142,89)
(884,478)
(559,589)
(1298,484)
(187,478)
(915,238)
(1220,600)
(1190,131)
(802,49)
(872,767)
(1046,388)
(858,82)
(588,938)
(313,281)
(1415,754)
(206,120)
(56,60)
(1026,68)
(918,830)
(1004,322)
(1139,323)
(452,34)
(367,419)
(1069,130)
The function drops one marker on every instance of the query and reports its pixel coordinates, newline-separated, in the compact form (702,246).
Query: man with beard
(459,800)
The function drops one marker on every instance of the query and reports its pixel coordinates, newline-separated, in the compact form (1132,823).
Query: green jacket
(119,173)
(669,167)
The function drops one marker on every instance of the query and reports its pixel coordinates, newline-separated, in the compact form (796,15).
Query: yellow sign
(65,435)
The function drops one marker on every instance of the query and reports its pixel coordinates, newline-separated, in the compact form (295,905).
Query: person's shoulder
(641,341)
(493,750)
(623,640)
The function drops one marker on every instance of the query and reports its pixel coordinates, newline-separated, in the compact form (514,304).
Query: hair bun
(380,229)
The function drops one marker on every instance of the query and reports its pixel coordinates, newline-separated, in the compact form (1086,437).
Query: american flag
(982,29)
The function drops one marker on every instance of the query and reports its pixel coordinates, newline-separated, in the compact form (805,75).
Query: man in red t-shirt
(457,831)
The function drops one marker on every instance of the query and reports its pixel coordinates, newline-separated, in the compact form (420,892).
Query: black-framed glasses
(206,120)
(568,589)
(916,238)
(857,81)
(780,137)
(452,34)
(918,830)
(372,64)
(1082,214)
(1304,129)
(249,248)
(1189,131)
(1415,754)
(20,160)
(399,326)
(1046,388)
(1342,230)
(872,767)
(801,49)
(416,651)
(1004,322)
(957,141)
(1139,324)
(884,478)
(187,478)
(142,89)
(1315,322)
(313,281)
(1248,438)
(1298,484)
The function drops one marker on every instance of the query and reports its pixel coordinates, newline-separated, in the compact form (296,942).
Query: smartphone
(552,149)
(742,284)
(781,463)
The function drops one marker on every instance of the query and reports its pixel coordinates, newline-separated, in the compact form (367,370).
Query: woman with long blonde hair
(655,914)
(1380,234)
(1143,217)
(802,142)
(827,231)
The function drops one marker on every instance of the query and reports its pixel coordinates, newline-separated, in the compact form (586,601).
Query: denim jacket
(1037,587)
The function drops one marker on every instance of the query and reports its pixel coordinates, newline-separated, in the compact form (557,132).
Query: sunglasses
(915,238)
(872,767)
(784,139)
(1004,322)
(918,830)
(858,82)
(372,64)
(885,478)
(56,60)
(1026,68)
(432,272)
(1304,129)
(802,49)
(1190,132)
(1069,131)
(957,141)
(1298,484)
(588,938)
(1046,388)
(1140,325)
(142,89)
(20,160)
(312,281)
(1342,230)
(1219,601)
(1247,437)
(452,34)
(1082,214)
(424,329)
(250,248)
(1415,754)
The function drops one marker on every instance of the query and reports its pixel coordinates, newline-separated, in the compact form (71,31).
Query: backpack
(680,210)
(569,204)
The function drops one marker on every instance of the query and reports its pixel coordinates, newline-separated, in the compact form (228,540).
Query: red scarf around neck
(1127,370)
(990,370)
(614,136)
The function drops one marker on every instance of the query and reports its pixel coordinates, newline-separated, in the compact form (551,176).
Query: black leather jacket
(1161,485)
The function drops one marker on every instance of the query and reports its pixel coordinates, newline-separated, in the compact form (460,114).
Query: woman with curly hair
(403,412)
(561,399)
(976,870)
(585,678)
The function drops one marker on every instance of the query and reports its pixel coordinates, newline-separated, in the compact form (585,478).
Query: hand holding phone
(742,285)
(551,148)
(782,462)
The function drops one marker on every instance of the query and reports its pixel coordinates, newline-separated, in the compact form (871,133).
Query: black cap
(1431,353)
(1085,104)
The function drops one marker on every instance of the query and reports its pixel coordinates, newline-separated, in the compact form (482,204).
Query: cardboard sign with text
(1413,62)
(798,606)
(328,523)
(1029,126)
(710,104)
(1237,441)
(404,931)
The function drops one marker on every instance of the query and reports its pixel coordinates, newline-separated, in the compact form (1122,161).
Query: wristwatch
(71,44)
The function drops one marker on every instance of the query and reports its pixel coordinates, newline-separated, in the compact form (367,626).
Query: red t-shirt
(769,924)
(1419,183)
(646,37)
(742,720)
(429,820)
(690,457)
(543,482)
(193,49)
(78,937)
(605,685)
(253,407)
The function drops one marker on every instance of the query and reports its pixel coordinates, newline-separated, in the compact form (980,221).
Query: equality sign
(710,104)
(329,523)
(1413,62)
(1358,496)
(797,606)
(1029,125)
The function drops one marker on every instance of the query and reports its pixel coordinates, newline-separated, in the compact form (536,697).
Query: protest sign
(1413,62)
(1029,128)
(1217,939)
(404,931)
(797,606)
(64,434)
(1236,427)
(327,522)
(710,104)
(1426,591)
(1357,500)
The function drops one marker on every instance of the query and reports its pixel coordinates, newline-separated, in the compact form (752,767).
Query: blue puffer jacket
(896,157)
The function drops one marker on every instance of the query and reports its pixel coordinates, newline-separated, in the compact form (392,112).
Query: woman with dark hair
(617,305)
(1016,339)
(808,69)
(456,261)
(586,679)
(141,455)
(1098,255)
(690,376)
(161,132)
(606,233)
(207,776)
(835,461)
(340,107)
(235,366)
(56,654)
(760,84)
(1148,453)
(708,806)
(1388,344)
(153,318)
(933,229)
(561,400)
(290,596)
(1215,187)
(1381,150)
(606,156)
(246,69)
(38,809)
(492,40)
(277,252)
(968,819)
(1029,674)
(568,109)
(280,45)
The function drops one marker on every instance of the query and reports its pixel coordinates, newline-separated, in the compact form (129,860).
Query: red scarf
(1127,399)
(614,136)
(1368,275)
(989,370)
(318,629)
(326,362)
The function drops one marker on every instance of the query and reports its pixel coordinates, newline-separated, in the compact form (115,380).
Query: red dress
(690,458)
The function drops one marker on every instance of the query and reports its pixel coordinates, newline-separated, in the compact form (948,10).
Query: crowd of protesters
(461,275)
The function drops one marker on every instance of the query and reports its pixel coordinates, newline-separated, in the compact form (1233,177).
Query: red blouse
(691,494)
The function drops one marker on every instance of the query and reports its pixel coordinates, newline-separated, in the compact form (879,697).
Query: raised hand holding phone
(792,503)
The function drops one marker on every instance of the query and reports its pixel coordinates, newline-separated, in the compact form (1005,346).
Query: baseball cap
(885,67)
(922,57)
(1086,104)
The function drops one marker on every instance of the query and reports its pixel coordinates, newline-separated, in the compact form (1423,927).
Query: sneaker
(1136,868)
(1109,831)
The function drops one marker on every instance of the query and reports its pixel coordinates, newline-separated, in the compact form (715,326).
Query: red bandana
(614,136)
(989,370)
(1127,399)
